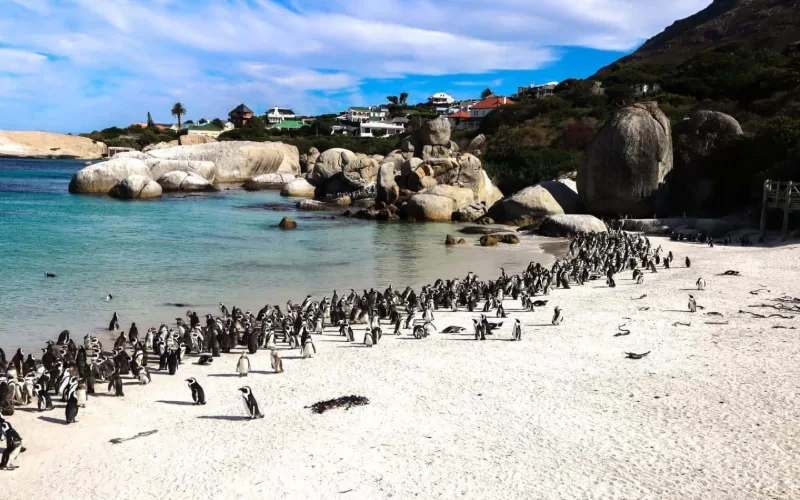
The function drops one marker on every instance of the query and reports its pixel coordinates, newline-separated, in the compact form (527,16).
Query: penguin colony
(69,372)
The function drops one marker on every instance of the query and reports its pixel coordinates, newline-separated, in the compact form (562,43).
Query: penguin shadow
(691,290)
(262,372)
(178,403)
(230,418)
(349,346)
(678,310)
(59,421)
(225,375)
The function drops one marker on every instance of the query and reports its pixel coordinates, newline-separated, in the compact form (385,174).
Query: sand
(712,412)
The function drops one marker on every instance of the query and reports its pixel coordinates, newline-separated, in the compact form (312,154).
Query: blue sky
(79,65)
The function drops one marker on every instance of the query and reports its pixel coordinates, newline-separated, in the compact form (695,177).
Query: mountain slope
(748,24)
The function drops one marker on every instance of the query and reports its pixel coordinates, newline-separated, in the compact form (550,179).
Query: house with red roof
(470,118)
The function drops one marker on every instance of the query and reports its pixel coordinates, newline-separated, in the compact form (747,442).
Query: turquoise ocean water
(195,250)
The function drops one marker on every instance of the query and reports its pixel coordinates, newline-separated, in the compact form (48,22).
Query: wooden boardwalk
(783,195)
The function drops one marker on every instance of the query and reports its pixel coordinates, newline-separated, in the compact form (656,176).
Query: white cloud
(130,56)
(20,61)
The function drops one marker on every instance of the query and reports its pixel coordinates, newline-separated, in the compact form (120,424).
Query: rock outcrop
(101,177)
(21,144)
(268,181)
(299,188)
(564,225)
(189,140)
(136,187)
(287,223)
(330,163)
(533,203)
(185,182)
(624,168)
(438,203)
(238,161)
(158,167)
(436,132)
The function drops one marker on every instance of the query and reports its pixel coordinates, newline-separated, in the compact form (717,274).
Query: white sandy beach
(711,413)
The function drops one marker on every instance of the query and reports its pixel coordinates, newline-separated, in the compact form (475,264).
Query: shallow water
(196,250)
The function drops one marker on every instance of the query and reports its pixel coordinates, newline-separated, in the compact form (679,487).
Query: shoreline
(710,413)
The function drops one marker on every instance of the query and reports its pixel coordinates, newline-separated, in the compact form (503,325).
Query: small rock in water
(287,223)
(449,240)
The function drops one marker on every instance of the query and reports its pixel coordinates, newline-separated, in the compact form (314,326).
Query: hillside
(21,144)
(747,24)
(738,57)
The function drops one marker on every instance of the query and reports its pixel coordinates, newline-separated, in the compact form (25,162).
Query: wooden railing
(783,195)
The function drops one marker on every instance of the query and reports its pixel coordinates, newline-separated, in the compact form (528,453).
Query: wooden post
(763,227)
(786,207)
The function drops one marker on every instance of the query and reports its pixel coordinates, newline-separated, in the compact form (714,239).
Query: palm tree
(403,98)
(178,110)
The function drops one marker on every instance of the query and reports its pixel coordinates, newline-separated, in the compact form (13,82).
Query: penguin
(116,382)
(133,333)
(172,361)
(71,409)
(368,339)
(198,394)
(558,316)
(80,394)
(144,375)
(205,360)
(243,365)
(516,330)
(275,359)
(63,337)
(701,283)
(44,403)
(109,297)
(692,304)
(688,262)
(250,403)
(114,323)
(49,275)
(223,310)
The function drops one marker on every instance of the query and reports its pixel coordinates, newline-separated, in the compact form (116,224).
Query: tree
(218,123)
(178,110)
(620,94)
(392,99)
(202,121)
(256,127)
(150,124)
(188,122)
(486,93)
(403,98)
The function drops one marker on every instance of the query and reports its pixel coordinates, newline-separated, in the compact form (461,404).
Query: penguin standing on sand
(71,411)
(115,382)
(558,316)
(114,323)
(172,361)
(13,445)
(243,365)
(368,339)
(688,262)
(275,359)
(198,394)
(701,284)
(692,304)
(250,403)
(80,394)
(307,348)
(63,337)
(516,330)
(44,403)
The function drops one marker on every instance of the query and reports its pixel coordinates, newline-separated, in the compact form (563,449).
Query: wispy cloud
(88,63)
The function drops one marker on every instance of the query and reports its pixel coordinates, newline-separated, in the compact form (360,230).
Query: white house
(642,89)
(368,129)
(537,91)
(441,99)
(277,115)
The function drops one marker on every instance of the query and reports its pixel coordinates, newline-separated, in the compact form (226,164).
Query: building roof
(241,109)
(493,102)
(208,126)
(441,95)
(281,111)
(288,124)
(460,114)
(358,108)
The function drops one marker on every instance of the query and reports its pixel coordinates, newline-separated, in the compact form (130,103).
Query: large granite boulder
(299,188)
(476,145)
(189,140)
(268,181)
(136,187)
(139,155)
(186,182)
(464,171)
(490,194)
(536,202)
(436,132)
(623,169)
(462,197)
(430,207)
(101,177)
(287,223)
(158,167)
(691,182)
(388,190)
(330,163)
(362,171)
(159,145)
(311,160)
(238,161)
(564,225)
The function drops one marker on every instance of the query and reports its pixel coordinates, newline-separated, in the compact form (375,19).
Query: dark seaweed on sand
(346,401)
